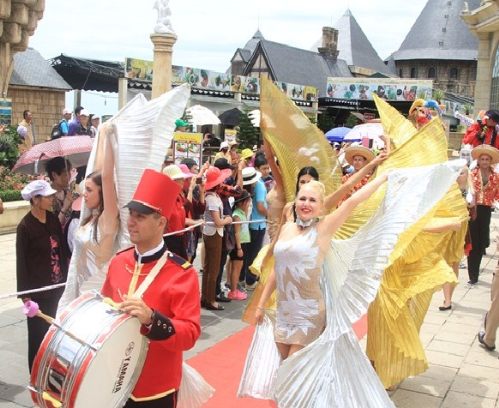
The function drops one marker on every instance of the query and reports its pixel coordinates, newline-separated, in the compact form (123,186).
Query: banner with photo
(138,69)
(5,111)
(397,89)
(298,92)
(187,145)
(200,78)
(216,81)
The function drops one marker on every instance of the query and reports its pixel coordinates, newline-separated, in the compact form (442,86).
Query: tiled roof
(301,67)
(31,69)
(440,33)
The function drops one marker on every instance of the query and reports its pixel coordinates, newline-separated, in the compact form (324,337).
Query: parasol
(365,130)
(337,134)
(76,149)
(199,115)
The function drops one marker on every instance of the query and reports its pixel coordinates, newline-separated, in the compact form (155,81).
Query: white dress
(333,371)
(301,312)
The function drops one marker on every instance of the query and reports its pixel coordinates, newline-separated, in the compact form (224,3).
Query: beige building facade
(484,24)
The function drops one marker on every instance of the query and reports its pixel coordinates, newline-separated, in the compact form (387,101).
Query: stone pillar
(122,92)
(484,72)
(162,65)
(6,67)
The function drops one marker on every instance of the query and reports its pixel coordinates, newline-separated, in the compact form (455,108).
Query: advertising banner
(138,69)
(200,78)
(398,89)
(5,111)
(216,81)
(187,145)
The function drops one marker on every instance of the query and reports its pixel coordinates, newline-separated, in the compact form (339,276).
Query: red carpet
(222,366)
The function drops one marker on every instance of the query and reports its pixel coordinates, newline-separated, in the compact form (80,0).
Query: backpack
(56,132)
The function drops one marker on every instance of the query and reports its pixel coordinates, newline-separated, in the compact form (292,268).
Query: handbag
(229,238)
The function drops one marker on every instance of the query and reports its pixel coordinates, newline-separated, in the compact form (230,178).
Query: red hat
(155,192)
(215,176)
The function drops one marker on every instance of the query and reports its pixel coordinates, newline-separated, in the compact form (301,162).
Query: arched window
(454,73)
(414,72)
(432,73)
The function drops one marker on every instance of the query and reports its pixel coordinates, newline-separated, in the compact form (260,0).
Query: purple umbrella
(337,134)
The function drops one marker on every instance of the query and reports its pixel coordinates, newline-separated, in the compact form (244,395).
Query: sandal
(211,307)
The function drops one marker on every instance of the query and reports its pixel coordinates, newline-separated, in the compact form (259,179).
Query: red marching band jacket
(176,326)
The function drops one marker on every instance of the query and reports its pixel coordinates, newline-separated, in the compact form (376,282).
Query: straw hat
(250,175)
(352,151)
(488,150)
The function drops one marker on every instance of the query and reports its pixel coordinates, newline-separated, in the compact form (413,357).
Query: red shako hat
(156,192)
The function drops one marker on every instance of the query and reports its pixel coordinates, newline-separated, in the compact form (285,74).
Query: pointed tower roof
(440,33)
(251,44)
(354,46)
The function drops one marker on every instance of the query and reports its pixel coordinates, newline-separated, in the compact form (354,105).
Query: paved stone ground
(461,373)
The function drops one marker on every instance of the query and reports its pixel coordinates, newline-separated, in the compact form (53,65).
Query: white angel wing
(144,134)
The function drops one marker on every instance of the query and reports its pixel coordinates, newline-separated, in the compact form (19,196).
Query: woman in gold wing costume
(421,268)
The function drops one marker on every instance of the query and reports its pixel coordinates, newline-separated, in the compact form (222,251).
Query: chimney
(329,49)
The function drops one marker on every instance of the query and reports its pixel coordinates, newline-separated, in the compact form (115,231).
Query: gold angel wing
(295,140)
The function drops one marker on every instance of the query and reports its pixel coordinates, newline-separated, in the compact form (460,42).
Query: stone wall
(46,106)
(455,139)
(464,84)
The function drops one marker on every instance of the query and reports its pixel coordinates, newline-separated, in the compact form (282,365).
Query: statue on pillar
(163,23)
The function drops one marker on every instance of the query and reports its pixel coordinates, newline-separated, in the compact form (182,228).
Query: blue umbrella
(337,134)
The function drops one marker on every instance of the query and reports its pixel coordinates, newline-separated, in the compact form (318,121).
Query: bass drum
(93,359)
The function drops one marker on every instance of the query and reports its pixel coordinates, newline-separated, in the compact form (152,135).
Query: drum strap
(151,276)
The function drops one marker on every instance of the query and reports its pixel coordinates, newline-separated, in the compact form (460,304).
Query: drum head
(80,376)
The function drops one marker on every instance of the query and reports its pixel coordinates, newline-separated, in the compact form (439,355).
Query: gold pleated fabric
(419,266)
(295,140)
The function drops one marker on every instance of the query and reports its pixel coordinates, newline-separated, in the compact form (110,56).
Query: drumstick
(31,309)
(46,396)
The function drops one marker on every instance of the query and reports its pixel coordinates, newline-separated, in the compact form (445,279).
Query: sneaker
(241,287)
(227,285)
(237,295)
(471,283)
(251,287)
(462,265)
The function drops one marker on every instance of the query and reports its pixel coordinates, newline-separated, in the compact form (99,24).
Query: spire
(440,33)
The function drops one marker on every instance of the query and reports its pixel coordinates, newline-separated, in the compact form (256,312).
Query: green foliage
(10,195)
(438,95)
(468,108)
(9,147)
(325,122)
(11,184)
(351,121)
(247,134)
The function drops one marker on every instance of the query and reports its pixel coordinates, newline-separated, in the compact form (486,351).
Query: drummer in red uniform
(484,132)
(169,308)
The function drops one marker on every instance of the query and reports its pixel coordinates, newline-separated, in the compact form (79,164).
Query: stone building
(440,47)
(18,21)
(483,22)
(342,51)
(36,86)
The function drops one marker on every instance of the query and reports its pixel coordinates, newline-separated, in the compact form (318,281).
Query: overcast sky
(210,31)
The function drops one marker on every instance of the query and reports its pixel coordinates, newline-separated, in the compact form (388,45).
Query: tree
(247,134)
(325,122)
